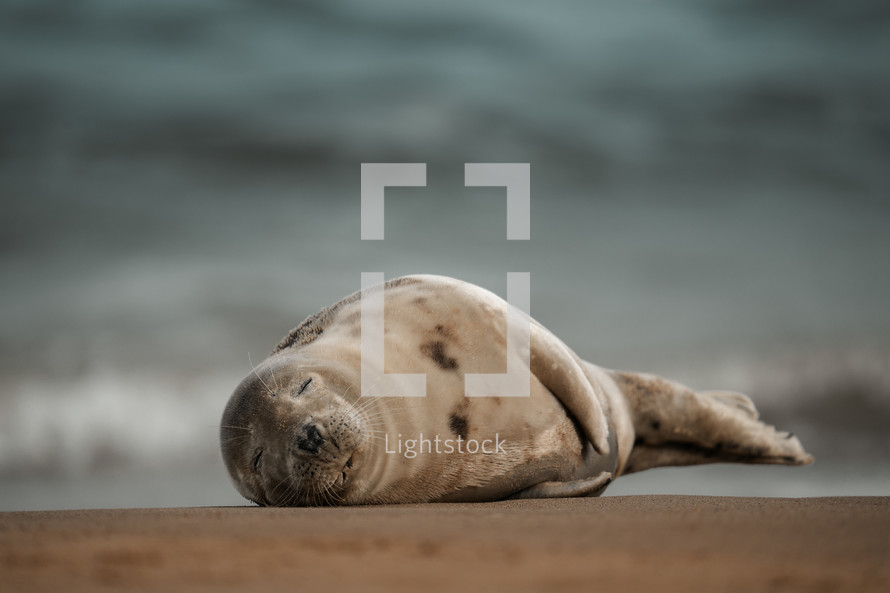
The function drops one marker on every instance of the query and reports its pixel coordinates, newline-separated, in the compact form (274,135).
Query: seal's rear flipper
(587,487)
(677,426)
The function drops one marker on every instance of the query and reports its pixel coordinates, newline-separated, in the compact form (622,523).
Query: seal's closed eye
(304,386)
(257,458)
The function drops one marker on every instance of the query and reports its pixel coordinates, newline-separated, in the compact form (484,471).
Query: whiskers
(326,495)
(296,490)
(290,492)
(372,410)
(257,375)
(246,434)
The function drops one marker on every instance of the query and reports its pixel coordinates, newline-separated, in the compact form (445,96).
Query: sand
(629,543)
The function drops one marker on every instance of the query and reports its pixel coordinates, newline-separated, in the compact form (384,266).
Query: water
(179,187)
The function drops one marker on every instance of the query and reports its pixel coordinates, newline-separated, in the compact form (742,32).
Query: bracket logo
(516,381)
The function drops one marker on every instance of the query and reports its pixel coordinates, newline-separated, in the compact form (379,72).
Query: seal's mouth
(318,482)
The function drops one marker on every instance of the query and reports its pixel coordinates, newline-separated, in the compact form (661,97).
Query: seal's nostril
(312,439)
(313,434)
(307,445)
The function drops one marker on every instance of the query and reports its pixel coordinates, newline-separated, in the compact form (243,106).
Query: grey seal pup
(297,431)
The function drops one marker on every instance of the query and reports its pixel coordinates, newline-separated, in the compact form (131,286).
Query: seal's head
(289,439)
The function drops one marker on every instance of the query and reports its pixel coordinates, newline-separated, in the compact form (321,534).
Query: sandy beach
(632,543)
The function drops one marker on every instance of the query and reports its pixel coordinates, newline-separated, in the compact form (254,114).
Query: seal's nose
(311,440)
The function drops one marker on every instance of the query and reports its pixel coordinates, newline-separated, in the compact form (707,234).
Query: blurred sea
(179,186)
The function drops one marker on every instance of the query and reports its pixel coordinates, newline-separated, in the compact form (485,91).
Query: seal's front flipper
(560,371)
(677,426)
(587,487)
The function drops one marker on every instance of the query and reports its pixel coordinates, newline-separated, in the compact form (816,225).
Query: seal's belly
(450,448)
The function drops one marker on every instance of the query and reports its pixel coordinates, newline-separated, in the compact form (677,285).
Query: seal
(297,431)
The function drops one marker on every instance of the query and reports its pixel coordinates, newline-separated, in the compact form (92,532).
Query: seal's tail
(677,426)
